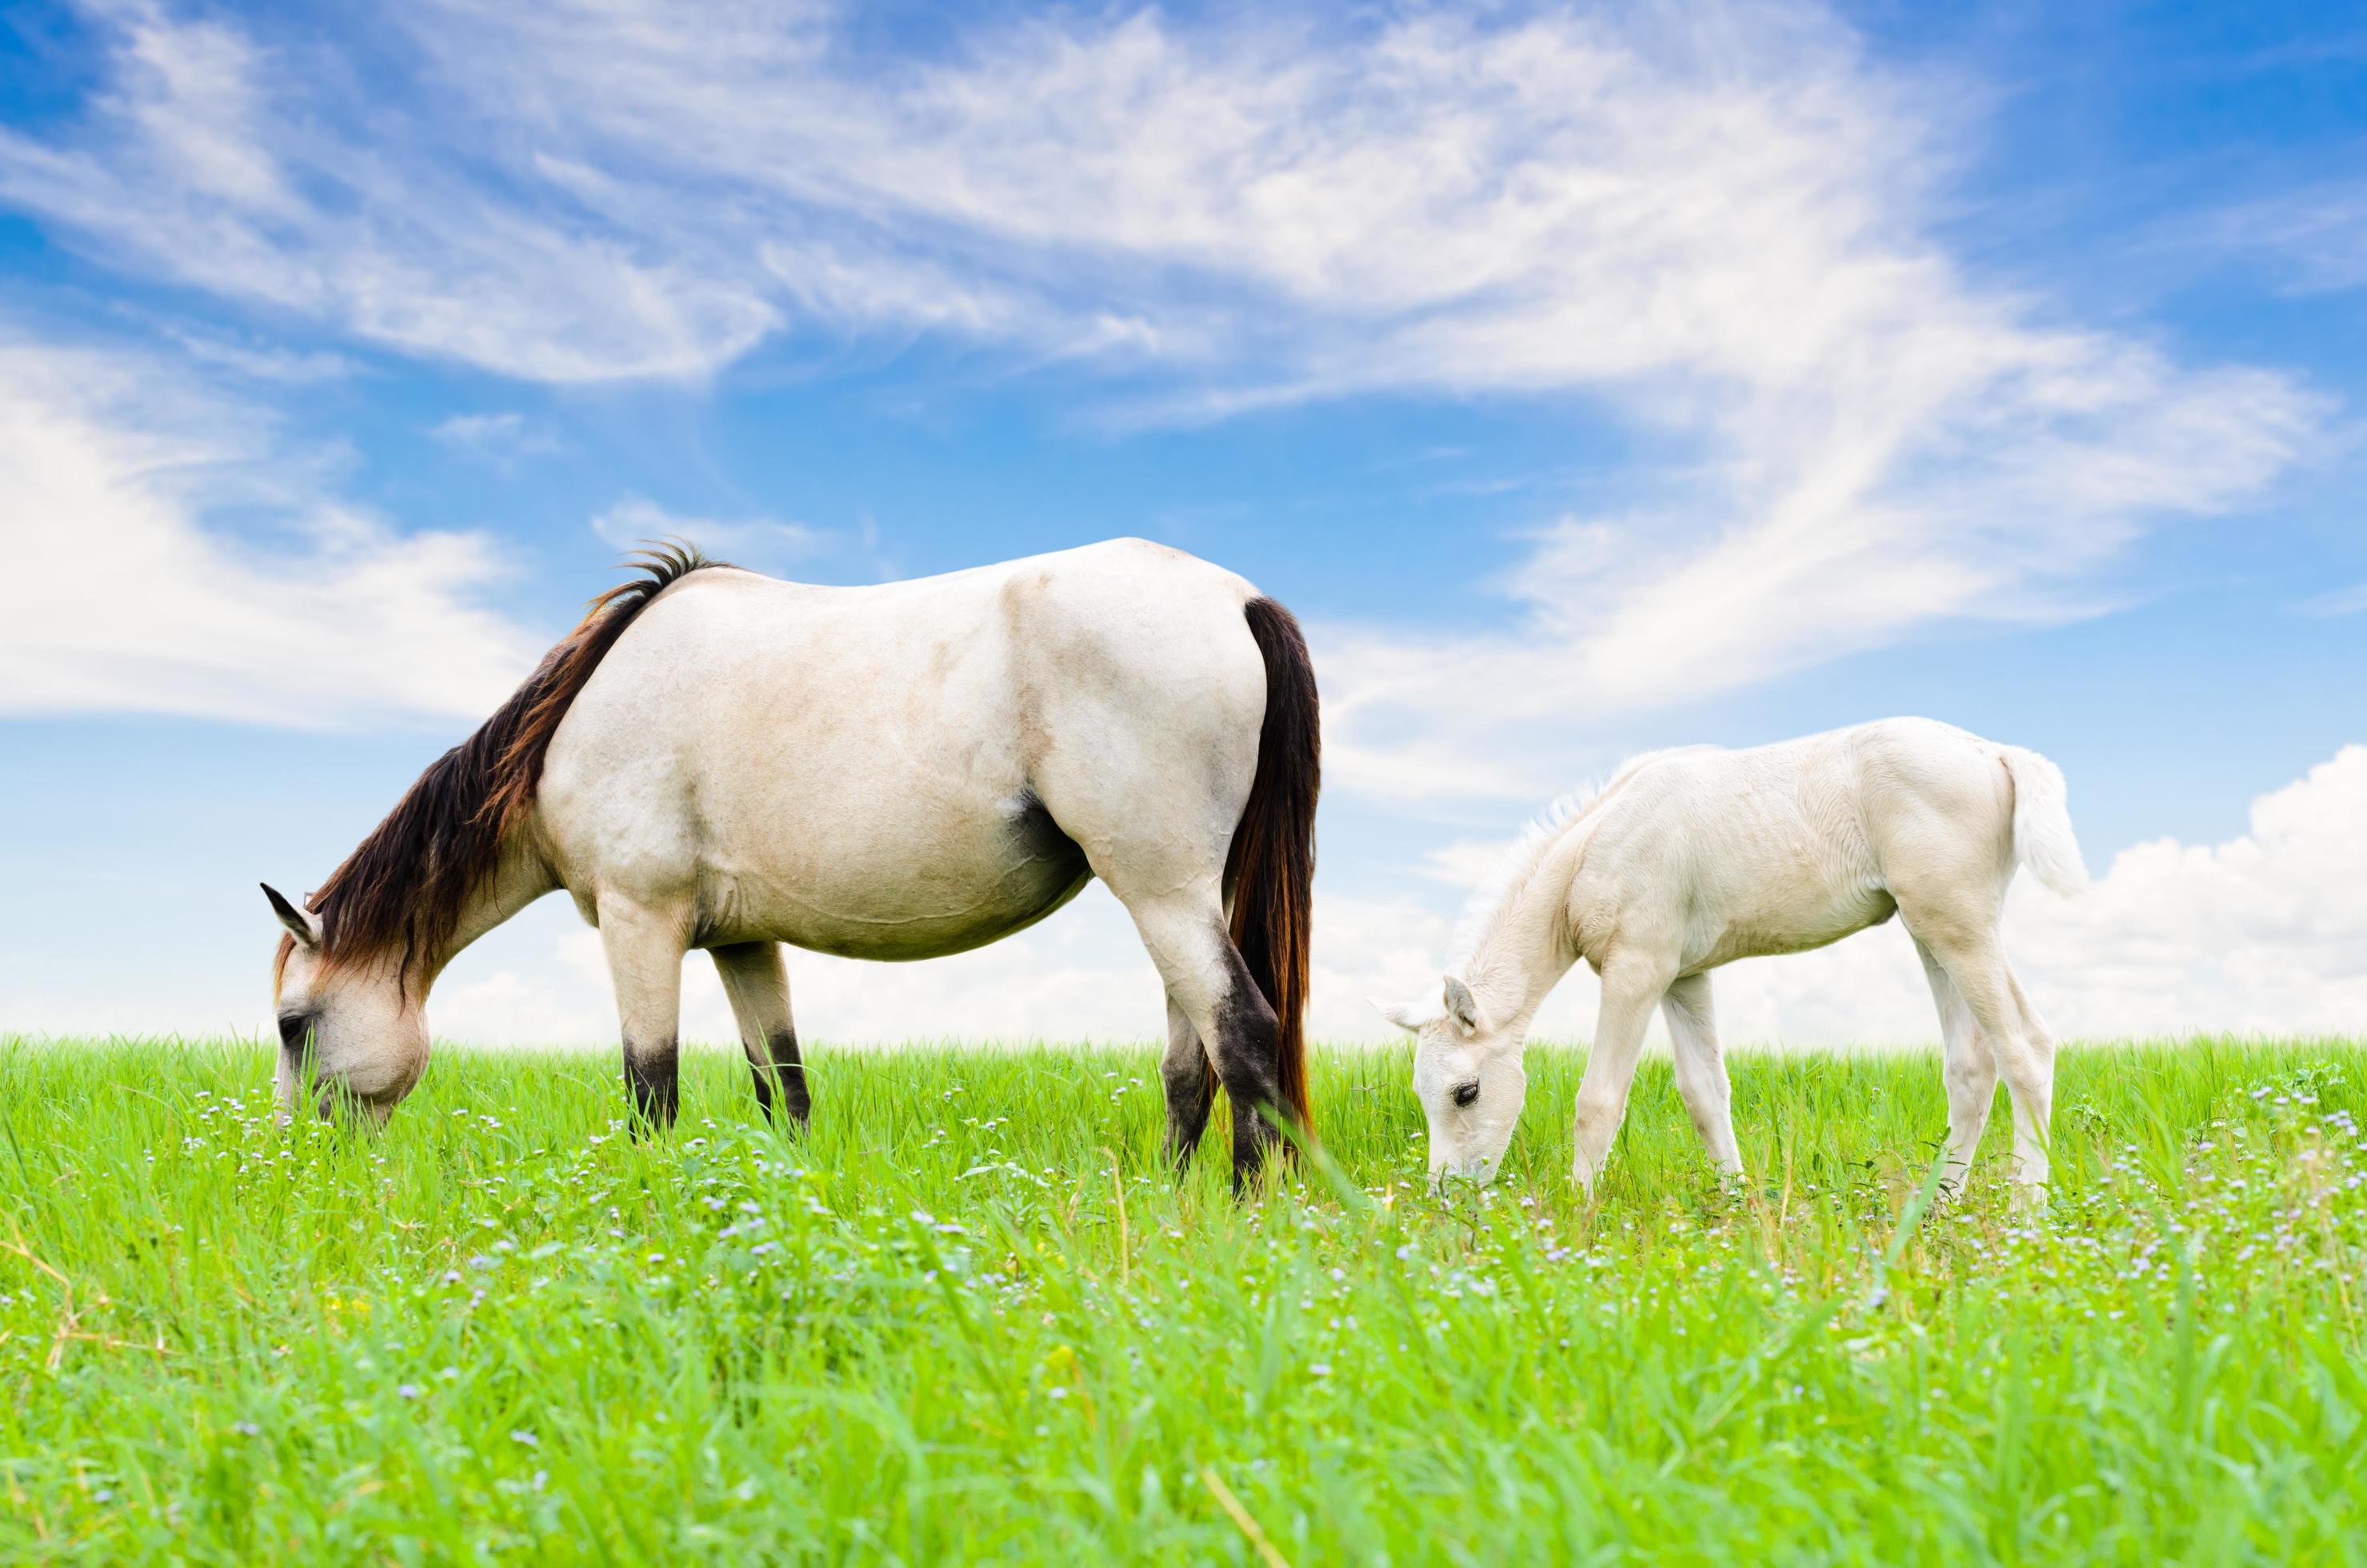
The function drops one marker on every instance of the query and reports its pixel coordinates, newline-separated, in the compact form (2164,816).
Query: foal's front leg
(1700,1069)
(1631,989)
(645,947)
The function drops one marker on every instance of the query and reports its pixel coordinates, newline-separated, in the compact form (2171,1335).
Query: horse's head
(351,1030)
(1468,1074)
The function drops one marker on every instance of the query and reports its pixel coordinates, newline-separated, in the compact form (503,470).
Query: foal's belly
(1771,932)
(888,888)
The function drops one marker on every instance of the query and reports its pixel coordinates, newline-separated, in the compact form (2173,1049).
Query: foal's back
(1780,848)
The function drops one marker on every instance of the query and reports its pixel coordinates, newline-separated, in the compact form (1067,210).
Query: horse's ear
(302,924)
(1404,1015)
(1463,1007)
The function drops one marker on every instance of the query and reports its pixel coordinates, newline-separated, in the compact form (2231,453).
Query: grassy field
(972,1319)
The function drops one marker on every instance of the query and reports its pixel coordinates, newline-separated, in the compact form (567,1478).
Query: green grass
(972,1319)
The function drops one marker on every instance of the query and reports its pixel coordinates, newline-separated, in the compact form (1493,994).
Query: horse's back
(872,770)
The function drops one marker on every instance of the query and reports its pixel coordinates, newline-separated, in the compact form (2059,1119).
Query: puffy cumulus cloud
(112,462)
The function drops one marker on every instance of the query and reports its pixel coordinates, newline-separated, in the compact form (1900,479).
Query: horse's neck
(1527,946)
(521,877)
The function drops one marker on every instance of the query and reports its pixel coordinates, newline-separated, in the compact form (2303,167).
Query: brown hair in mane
(404,887)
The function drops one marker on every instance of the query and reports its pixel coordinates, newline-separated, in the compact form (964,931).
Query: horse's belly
(937,887)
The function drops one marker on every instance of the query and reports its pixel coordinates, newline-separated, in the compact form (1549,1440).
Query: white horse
(717,759)
(1692,858)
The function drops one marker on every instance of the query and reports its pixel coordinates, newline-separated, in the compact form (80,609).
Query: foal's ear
(302,924)
(1463,1007)
(1404,1015)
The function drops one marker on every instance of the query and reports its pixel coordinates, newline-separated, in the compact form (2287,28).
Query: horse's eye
(1466,1093)
(293,1030)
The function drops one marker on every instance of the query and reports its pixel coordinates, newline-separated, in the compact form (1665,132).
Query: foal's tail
(2042,822)
(1271,870)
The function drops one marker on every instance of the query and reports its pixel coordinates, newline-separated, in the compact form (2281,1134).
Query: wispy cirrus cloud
(1715,225)
(2315,237)
(497,438)
(774,543)
(2351,601)
(114,466)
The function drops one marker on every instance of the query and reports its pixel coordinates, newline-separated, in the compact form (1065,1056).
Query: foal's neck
(1527,944)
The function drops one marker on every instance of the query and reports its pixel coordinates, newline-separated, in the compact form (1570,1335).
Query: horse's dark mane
(404,889)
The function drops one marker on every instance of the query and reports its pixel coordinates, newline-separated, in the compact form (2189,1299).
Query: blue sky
(1587,380)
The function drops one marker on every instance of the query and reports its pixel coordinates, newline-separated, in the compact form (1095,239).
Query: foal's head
(351,1030)
(1468,1074)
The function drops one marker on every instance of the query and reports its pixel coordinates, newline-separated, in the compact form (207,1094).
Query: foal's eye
(1466,1093)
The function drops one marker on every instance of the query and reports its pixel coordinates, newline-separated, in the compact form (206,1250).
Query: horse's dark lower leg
(1190,1088)
(787,1068)
(654,1074)
(1247,1043)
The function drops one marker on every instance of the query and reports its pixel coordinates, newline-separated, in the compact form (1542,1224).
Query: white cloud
(497,438)
(111,464)
(2351,601)
(260,361)
(749,542)
(2316,236)
(1720,221)
(215,161)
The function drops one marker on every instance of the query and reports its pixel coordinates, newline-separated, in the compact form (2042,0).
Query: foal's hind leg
(1971,1071)
(1191,1080)
(1974,959)
(757,982)
(1701,1068)
(645,947)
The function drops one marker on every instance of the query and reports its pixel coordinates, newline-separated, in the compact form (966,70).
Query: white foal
(1688,859)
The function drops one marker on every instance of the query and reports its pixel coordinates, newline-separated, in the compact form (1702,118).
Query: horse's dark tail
(1271,870)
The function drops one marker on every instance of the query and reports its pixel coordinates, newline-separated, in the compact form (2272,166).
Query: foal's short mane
(403,890)
(1521,862)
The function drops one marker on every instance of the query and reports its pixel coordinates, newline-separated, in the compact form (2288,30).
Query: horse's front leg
(645,947)
(757,982)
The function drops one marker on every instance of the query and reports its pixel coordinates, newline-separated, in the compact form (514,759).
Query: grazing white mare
(721,760)
(1692,858)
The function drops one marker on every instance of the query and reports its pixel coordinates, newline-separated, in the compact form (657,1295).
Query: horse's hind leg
(1206,981)
(645,947)
(1971,1071)
(1701,1068)
(757,982)
(1191,1080)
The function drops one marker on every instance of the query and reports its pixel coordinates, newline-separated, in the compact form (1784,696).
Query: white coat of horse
(1688,859)
(721,760)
